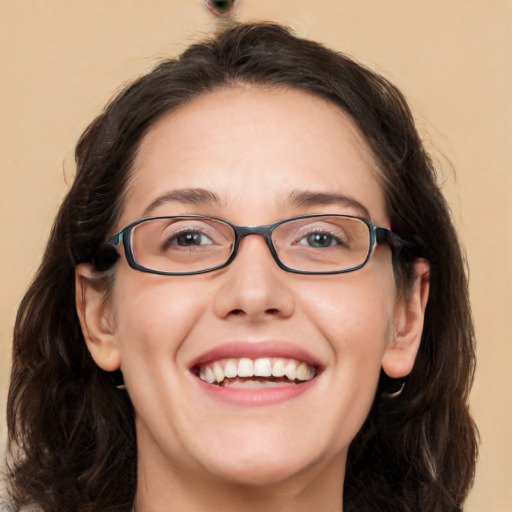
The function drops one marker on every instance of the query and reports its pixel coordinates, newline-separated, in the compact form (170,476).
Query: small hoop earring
(396,393)
(118,380)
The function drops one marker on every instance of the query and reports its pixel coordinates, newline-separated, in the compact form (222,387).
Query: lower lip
(255,396)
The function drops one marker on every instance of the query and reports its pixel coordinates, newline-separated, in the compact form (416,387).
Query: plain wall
(61,60)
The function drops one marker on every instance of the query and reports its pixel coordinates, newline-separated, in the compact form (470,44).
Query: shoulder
(7,506)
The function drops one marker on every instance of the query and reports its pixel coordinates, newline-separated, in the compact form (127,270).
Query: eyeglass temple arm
(107,254)
(407,249)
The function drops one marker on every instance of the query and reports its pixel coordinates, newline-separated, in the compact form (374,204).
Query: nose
(253,286)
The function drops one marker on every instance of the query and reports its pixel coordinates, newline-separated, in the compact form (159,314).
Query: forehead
(253,147)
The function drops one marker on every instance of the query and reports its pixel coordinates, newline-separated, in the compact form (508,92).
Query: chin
(265,461)
(263,473)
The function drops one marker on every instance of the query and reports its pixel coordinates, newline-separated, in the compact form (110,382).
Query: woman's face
(252,156)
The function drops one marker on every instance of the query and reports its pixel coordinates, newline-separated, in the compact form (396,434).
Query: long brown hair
(72,443)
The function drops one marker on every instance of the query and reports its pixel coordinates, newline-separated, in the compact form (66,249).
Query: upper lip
(256,350)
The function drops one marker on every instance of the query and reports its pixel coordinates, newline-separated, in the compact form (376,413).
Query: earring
(396,393)
(117,379)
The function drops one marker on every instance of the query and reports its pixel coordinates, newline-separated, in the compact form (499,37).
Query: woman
(253,298)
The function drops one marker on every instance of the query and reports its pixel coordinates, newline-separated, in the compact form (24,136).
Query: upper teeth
(263,367)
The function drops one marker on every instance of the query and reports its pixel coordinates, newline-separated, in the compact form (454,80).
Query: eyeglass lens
(188,244)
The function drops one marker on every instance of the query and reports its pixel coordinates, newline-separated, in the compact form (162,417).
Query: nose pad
(254,286)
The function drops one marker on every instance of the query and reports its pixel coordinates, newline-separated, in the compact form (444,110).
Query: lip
(255,350)
(255,397)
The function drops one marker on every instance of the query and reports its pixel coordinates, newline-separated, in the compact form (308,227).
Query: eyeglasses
(195,244)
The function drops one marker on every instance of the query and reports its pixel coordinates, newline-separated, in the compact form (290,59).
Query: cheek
(153,315)
(354,316)
(354,309)
(351,315)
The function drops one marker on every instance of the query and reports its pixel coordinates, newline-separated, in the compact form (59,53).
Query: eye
(190,238)
(192,234)
(322,239)
(318,240)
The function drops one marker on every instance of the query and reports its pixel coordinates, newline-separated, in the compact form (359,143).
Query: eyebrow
(302,198)
(191,196)
(298,198)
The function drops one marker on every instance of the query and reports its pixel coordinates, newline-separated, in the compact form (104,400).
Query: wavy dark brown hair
(72,442)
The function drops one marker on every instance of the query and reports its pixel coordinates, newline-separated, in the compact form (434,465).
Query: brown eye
(192,238)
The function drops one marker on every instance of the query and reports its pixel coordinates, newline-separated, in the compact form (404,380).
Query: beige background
(61,60)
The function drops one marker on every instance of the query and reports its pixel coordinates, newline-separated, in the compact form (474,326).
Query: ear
(96,319)
(408,320)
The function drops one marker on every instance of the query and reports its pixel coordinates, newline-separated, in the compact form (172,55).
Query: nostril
(241,312)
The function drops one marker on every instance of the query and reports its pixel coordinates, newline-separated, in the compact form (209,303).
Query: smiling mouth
(245,373)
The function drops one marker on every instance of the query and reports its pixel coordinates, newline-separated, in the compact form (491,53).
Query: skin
(252,147)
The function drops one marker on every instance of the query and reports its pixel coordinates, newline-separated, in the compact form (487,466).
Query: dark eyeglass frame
(377,234)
